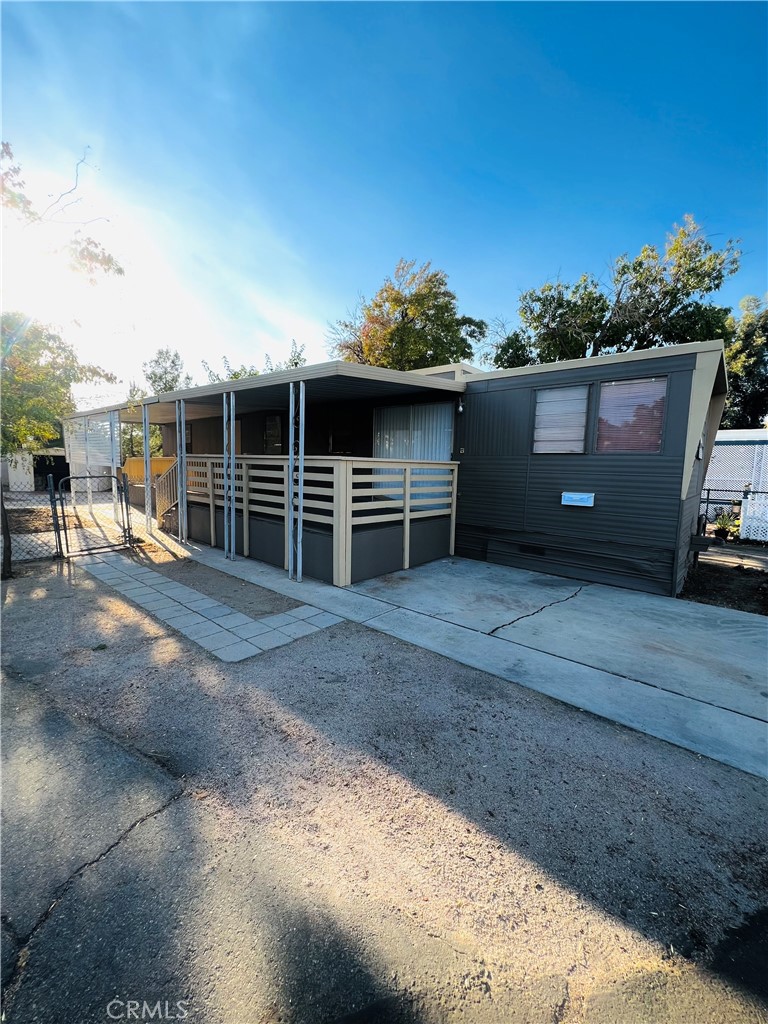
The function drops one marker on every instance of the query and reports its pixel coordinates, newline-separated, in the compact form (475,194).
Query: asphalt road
(349,828)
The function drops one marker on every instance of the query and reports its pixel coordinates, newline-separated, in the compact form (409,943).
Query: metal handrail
(167,490)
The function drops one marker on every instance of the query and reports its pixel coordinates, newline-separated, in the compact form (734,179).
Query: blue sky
(263,164)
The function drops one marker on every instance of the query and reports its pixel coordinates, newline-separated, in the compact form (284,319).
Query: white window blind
(414,432)
(631,415)
(561,419)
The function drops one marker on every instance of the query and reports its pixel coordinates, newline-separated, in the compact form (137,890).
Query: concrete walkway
(210,624)
(693,675)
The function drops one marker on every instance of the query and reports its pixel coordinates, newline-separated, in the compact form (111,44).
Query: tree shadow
(659,838)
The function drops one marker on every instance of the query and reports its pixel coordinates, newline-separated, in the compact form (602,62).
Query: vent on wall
(531,549)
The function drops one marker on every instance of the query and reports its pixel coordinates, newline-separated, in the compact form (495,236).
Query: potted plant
(726,525)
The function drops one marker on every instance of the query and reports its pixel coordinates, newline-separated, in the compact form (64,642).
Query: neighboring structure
(28,471)
(739,460)
(591,468)
(738,478)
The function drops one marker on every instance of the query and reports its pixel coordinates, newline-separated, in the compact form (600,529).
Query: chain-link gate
(32,524)
(94,515)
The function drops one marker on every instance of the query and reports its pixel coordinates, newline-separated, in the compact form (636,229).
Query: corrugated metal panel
(510,509)
(491,492)
(689,516)
(641,567)
(497,424)
(601,368)
(636,497)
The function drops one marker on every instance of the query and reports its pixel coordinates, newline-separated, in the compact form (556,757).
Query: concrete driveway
(694,675)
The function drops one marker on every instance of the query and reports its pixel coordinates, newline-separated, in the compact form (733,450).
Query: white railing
(342,493)
(166,491)
(754,517)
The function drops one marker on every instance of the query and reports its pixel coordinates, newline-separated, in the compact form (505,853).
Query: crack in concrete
(529,615)
(14,982)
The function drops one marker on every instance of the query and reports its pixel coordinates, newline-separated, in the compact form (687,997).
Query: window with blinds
(414,432)
(631,415)
(561,419)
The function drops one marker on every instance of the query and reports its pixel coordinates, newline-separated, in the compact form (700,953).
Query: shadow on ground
(416,757)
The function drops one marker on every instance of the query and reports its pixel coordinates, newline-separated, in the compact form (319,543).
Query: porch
(358,517)
(340,472)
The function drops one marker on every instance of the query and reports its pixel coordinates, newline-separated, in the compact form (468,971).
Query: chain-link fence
(92,519)
(748,507)
(30,522)
(46,525)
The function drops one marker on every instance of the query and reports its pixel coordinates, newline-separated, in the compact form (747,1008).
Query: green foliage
(562,320)
(295,359)
(132,434)
(230,372)
(728,521)
(652,300)
(84,254)
(746,357)
(165,372)
(38,371)
(411,323)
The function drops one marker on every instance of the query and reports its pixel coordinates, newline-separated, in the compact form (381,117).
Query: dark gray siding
(689,515)
(509,506)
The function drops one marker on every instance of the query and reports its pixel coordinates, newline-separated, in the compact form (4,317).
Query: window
(561,419)
(413,432)
(631,415)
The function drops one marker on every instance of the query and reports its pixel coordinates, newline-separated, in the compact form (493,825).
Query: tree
(165,372)
(295,359)
(746,356)
(230,372)
(38,370)
(650,301)
(38,367)
(132,435)
(84,253)
(412,323)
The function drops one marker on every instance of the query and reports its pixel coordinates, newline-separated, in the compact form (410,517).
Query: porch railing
(167,490)
(341,493)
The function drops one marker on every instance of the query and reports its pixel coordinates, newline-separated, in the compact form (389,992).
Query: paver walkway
(217,628)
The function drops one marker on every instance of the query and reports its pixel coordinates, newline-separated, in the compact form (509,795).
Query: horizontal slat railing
(341,493)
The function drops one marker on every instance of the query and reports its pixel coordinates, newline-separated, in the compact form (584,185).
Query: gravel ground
(243,597)
(369,832)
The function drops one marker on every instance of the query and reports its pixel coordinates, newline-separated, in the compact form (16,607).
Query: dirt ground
(368,832)
(728,584)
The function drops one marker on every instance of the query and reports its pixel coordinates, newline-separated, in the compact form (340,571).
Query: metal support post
(232,476)
(147,468)
(291,469)
(55,517)
(226,481)
(88,485)
(181,469)
(114,457)
(296,481)
(300,516)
